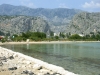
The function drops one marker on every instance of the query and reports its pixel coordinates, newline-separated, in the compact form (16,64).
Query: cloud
(27,3)
(92,4)
(62,5)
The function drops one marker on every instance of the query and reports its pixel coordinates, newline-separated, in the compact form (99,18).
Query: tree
(97,37)
(56,37)
(51,33)
(34,35)
(75,36)
(62,35)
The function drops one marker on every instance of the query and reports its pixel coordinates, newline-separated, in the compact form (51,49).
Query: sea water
(82,58)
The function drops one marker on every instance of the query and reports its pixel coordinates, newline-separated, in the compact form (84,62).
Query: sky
(86,5)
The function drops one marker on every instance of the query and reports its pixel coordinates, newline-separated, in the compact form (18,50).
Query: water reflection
(76,51)
(27,45)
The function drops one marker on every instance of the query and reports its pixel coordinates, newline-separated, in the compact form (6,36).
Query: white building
(81,35)
(56,34)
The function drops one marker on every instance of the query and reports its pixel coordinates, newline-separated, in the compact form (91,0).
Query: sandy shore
(14,63)
(44,42)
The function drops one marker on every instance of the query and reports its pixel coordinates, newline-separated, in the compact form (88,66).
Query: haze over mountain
(86,5)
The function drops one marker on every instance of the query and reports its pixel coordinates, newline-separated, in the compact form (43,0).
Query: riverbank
(14,63)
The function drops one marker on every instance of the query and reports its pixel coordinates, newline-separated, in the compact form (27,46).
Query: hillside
(19,24)
(84,23)
(59,17)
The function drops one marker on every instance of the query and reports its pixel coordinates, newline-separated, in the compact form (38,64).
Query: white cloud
(28,3)
(92,4)
(62,5)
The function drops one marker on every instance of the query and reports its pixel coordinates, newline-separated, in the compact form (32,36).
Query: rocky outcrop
(17,24)
(84,23)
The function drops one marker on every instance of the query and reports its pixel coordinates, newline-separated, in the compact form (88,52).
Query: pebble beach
(14,63)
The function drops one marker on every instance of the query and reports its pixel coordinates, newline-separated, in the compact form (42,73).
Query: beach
(14,63)
(43,42)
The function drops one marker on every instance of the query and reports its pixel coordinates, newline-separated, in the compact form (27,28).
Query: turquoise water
(80,58)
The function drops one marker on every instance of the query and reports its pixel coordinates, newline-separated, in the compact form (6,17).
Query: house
(1,37)
(56,34)
(81,35)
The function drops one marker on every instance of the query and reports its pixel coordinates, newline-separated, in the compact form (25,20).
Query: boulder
(13,68)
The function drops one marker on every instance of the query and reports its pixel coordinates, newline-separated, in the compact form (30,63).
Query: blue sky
(87,5)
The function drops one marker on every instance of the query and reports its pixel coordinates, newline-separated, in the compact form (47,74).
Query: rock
(1,63)
(11,57)
(28,72)
(37,67)
(3,58)
(25,72)
(13,68)
(44,71)
(47,73)
(3,70)
(31,73)
(56,74)
(40,68)
(15,55)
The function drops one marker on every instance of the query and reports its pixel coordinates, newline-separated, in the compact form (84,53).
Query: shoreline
(23,62)
(45,42)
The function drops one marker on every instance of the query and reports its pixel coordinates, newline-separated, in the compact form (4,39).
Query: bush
(3,40)
(75,36)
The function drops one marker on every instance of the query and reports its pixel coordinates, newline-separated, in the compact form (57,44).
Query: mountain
(56,18)
(84,23)
(7,9)
(17,24)
(44,20)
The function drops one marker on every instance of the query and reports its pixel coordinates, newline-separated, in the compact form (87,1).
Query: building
(81,35)
(1,37)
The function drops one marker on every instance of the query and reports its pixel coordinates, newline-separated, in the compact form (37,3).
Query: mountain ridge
(57,20)
(84,23)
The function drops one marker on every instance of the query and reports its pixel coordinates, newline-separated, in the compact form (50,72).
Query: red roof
(1,37)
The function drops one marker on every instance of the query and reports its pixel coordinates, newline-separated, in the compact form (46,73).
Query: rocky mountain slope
(18,24)
(84,23)
(59,17)
(44,20)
